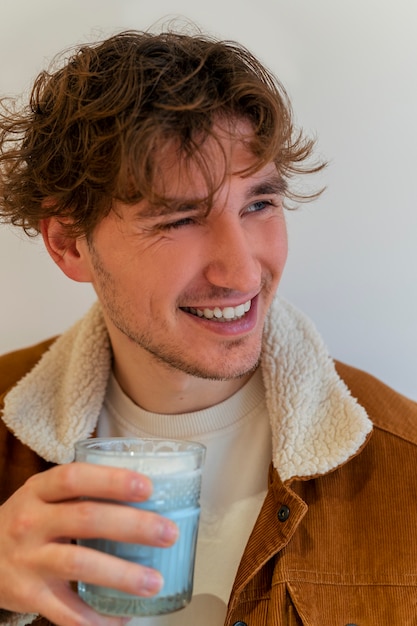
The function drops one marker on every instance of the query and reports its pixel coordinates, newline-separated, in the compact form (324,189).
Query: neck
(160,388)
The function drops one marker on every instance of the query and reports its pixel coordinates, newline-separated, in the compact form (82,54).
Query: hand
(38,560)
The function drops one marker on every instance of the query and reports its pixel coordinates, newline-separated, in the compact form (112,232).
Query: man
(156,168)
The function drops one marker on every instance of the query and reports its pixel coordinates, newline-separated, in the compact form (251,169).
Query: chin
(227,370)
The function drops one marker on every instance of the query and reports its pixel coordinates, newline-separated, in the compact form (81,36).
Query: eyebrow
(171,206)
(270,186)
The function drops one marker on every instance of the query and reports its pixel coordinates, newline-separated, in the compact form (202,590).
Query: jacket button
(283,513)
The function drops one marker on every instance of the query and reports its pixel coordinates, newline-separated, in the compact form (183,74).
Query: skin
(152,268)
(37,559)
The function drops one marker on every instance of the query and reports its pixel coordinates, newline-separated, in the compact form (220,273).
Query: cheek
(283,249)
(275,243)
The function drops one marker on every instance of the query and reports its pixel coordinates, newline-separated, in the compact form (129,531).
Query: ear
(69,253)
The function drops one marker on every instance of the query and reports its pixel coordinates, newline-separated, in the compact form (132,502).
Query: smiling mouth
(217,314)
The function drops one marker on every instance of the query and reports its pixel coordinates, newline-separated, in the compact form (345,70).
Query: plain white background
(350,69)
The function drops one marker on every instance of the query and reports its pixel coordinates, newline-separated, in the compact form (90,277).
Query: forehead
(210,164)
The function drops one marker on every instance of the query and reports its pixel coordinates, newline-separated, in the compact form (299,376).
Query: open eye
(260,205)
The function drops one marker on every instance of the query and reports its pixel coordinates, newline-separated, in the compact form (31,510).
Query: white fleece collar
(316,424)
(58,402)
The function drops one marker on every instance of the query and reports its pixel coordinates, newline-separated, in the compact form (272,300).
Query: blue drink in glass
(175,470)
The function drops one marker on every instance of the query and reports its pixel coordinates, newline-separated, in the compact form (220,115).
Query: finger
(64,607)
(74,480)
(71,562)
(84,519)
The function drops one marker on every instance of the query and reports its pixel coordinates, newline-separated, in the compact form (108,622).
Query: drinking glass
(175,468)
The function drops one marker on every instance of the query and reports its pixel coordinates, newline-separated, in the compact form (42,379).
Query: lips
(221,314)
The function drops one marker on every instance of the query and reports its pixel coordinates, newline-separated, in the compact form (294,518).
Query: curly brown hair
(91,131)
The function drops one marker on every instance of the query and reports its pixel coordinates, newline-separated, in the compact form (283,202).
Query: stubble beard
(167,355)
(171,357)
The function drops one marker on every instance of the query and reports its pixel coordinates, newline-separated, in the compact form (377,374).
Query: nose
(232,259)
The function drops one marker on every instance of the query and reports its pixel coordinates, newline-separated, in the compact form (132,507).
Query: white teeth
(229,313)
(226,314)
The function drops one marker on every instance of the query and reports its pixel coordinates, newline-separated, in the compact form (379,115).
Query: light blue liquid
(176,563)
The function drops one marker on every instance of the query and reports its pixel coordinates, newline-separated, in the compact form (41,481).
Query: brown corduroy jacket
(338,547)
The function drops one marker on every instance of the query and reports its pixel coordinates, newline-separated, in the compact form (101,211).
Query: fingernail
(152,582)
(169,532)
(141,487)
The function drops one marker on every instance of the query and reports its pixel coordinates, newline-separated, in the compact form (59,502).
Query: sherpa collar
(316,424)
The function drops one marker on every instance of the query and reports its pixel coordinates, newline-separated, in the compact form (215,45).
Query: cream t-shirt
(237,436)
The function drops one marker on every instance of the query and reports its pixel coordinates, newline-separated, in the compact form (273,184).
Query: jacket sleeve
(17,461)
(16,619)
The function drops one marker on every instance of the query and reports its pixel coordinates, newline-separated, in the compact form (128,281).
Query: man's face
(191,290)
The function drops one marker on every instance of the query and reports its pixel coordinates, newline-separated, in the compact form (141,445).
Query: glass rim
(92,445)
